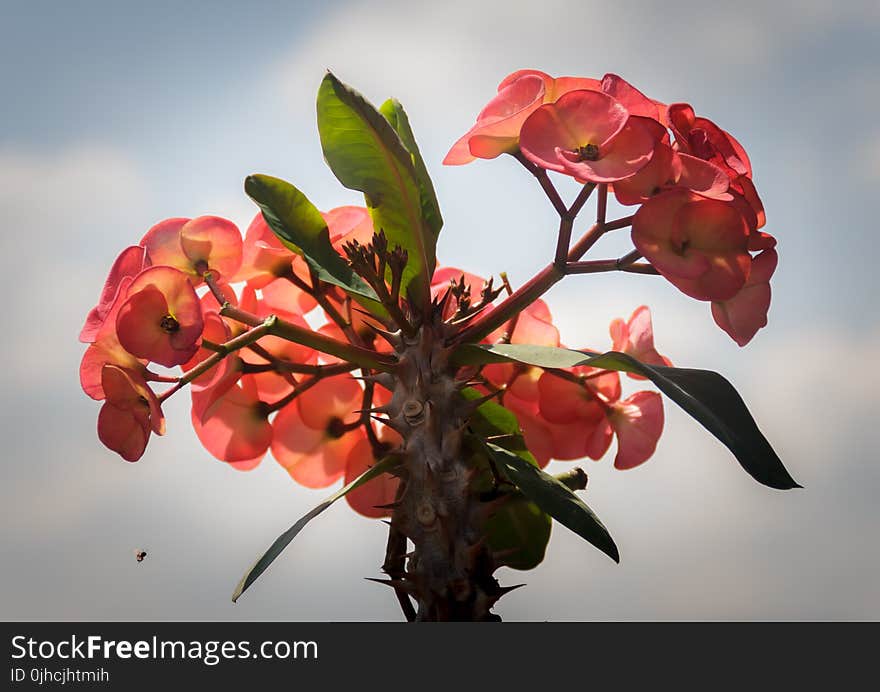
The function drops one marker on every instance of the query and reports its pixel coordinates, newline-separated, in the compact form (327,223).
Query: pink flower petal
(577,119)
(334,397)
(636,338)
(638,423)
(128,264)
(162,243)
(234,427)
(366,499)
(744,314)
(623,156)
(213,242)
(633,100)
(499,123)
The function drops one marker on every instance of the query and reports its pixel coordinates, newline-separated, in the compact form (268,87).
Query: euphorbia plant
(437,396)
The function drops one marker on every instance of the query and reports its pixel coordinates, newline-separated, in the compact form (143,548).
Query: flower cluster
(575,413)
(251,391)
(699,216)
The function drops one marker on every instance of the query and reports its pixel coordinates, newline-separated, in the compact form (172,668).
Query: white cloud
(65,216)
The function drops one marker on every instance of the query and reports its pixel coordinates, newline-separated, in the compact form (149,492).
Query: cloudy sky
(116,115)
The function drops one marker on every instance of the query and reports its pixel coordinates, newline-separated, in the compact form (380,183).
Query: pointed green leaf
(705,395)
(301,228)
(366,154)
(285,538)
(554,498)
(394,114)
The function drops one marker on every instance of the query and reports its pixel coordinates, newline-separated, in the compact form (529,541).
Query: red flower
(195,245)
(129,414)
(233,426)
(638,423)
(106,349)
(313,437)
(588,135)
(700,245)
(745,313)
(702,138)
(161,320)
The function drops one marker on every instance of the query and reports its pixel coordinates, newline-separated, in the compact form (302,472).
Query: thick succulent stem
(449,572)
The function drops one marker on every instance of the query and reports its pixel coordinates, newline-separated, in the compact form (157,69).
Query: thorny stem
(395,559)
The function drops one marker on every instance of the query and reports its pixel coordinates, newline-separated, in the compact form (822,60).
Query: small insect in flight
(140,554)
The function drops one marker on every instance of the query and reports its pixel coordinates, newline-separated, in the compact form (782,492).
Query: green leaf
(519,532)
(492,420)
(366,154)
(705,395)
(301,228)
(285,538)
(394,114)
(554,498)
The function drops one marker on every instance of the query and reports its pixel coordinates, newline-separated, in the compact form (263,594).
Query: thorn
(393,583)
(390,505)
(443,302)
(464,384)
(504,590)
(385,521)
(393,338)
(396,427)
(375,409)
